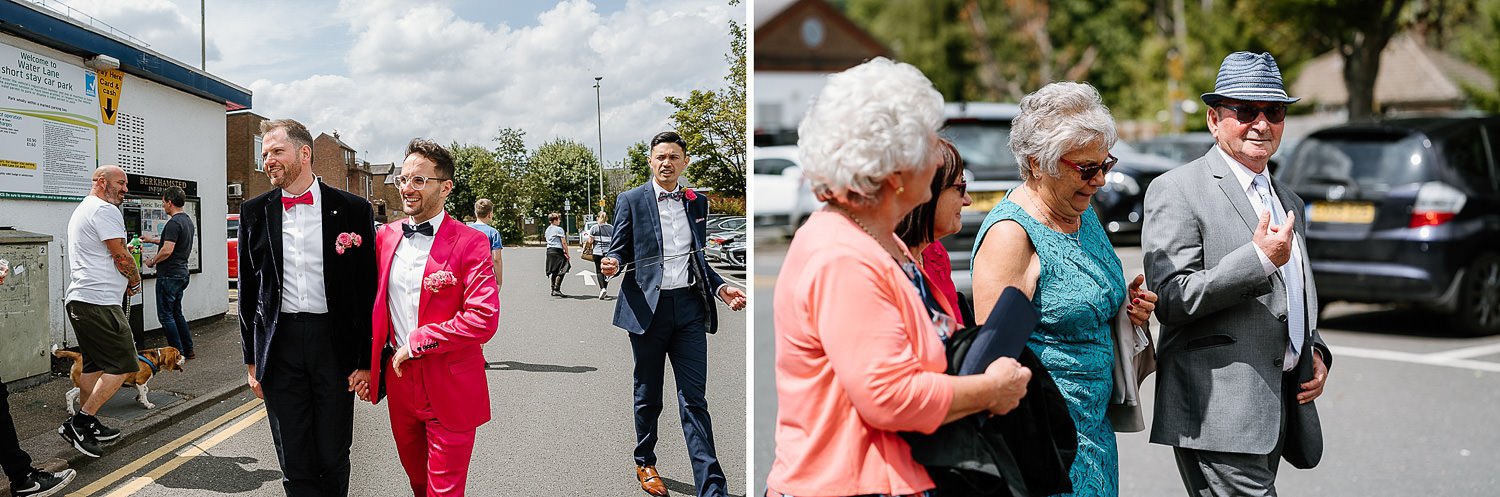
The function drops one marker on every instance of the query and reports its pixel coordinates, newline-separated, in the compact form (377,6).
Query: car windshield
(1369,164)
(985,147)
(772,166)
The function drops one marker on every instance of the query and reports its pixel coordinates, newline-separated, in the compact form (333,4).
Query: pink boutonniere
(689,194)
(439,280)
(346,241)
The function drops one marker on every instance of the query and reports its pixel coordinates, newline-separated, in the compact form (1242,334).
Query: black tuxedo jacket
(348,278)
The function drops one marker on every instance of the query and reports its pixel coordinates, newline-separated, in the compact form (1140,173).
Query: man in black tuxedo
(307,285)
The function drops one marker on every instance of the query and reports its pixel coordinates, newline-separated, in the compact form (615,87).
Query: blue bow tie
(407,230)
(677,195)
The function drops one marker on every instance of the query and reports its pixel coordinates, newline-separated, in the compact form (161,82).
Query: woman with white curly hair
(859,354)
(1046,240)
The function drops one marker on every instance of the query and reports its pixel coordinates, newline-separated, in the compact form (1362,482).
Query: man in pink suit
(436,304)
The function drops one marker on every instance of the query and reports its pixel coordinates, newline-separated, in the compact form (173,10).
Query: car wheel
(1478,310)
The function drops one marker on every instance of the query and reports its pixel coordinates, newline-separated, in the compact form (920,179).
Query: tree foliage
(559,170)
(713,124)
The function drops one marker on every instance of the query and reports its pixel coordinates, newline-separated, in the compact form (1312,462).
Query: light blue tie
(1291,272)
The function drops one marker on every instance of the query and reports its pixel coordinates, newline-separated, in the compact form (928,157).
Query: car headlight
(1123,183)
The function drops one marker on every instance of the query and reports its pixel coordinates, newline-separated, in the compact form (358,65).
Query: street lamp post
(599,105)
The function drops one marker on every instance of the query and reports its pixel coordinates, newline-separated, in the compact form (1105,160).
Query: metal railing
(77,15)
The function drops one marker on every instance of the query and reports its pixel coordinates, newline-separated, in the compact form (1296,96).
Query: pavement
(217,374)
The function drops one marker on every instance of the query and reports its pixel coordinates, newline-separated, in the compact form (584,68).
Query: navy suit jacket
(348,278)
(638,240)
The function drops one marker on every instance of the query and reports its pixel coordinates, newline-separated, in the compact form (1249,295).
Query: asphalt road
(1409,408)
(560,390)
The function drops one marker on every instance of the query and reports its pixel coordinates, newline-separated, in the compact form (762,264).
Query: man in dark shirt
(171,264)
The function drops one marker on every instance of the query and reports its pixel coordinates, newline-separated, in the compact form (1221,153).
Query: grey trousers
(1230,474)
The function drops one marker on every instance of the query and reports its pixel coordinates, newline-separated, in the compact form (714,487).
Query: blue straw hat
(1249,77)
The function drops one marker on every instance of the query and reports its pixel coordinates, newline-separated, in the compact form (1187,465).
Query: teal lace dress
(1079,290)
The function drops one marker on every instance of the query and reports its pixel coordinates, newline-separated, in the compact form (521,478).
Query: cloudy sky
(384,71)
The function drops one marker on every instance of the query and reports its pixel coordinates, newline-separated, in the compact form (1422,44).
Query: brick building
(244,171)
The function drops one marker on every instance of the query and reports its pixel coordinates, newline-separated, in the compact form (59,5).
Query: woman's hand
(1009,384)
(1140,303)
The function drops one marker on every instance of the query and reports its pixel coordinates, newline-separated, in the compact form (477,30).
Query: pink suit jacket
(453,323)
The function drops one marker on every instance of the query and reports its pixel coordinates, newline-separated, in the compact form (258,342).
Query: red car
(234,247)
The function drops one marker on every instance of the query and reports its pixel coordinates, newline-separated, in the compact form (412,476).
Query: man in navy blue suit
(666,303)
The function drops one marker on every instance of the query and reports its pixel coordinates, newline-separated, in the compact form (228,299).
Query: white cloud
(384,71)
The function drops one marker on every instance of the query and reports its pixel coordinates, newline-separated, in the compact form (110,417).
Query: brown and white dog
(161,359)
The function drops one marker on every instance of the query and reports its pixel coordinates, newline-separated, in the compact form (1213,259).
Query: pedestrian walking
(307,285)
(484,209)
(101,271)
(171,263)
(436,304)
(666,304)
(599,236)
(558,260)
(1240,359)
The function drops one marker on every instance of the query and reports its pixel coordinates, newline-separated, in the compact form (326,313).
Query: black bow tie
(677,195)
(407,230)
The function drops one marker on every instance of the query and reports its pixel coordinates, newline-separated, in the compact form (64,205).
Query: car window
(1369,164)
(772,166)
(234,228)
(985,147)
(1464,152)
(732,224)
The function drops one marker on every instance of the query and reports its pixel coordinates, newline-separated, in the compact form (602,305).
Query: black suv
(1406,211)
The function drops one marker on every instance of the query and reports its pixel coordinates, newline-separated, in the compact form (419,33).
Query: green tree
(465,159)
(559,170)
(713,124)
(638,162)
(1358,30)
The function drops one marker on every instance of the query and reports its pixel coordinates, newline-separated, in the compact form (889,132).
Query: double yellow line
(140,482)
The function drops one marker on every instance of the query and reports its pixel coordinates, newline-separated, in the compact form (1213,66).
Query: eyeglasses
(962,187)
(418,182)
(1246,113)
(1088,171)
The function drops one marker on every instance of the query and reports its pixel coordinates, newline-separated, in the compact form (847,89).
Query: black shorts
(104,337)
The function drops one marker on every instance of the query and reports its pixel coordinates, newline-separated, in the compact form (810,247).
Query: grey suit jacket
(1219,384)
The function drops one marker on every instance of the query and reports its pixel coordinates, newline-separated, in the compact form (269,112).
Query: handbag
(588,250)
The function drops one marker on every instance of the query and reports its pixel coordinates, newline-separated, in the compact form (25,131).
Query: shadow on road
(224,475)
(537,368)
(677,487)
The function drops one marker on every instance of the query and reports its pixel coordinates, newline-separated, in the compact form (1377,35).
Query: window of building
(260,161)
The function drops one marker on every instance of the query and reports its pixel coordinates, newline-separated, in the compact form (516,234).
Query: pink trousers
(436,459)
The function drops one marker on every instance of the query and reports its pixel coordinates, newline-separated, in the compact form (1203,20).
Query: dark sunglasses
(1246,113)
(1088,171)
(962,187)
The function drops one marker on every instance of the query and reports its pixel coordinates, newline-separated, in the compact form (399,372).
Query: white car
(783,198)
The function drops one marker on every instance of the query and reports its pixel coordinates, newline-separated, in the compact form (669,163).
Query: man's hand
(609,266)
(1314,387)
(1141,302)
(254,385)
(1275,241)
(1010,379)
(150,238)
(151,263)
(403,354)
(134,288)
(359,383)
(733,296)
(4,270)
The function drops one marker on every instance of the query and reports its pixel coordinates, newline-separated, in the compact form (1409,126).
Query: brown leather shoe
(650,481)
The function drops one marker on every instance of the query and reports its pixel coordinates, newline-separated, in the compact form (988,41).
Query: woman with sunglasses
(937,218)
(1045,239)
(859,359)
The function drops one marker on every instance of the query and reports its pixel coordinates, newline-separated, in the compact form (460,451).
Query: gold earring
(900,190)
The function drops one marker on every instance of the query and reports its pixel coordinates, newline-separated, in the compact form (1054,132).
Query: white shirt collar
(1245,176)
(317,193)
(436,221)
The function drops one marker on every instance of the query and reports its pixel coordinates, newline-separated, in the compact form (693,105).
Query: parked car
(734,250)
(981,133)
(726,223)
(1120,204)
(782,198)
(716,247)
(233,220)
(1182,149)
(1405,211)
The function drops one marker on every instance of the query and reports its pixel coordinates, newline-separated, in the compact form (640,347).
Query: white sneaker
(601,293)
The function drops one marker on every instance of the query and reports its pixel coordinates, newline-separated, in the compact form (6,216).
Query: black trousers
(16,461)
(309,406)
(678,331)
(599,272)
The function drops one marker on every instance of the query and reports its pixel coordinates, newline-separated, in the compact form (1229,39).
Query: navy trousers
(678,332)
(309,406)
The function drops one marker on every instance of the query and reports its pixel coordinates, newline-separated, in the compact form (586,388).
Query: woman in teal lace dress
(1044,239)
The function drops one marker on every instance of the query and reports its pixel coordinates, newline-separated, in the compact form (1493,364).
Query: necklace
(901,259)
(1047,219)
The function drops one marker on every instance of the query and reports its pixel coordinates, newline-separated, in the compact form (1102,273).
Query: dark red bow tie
(304,198)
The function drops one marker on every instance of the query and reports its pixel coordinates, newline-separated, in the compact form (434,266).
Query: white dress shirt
(302,255)
(676,240)
(404,287)
(1246,177)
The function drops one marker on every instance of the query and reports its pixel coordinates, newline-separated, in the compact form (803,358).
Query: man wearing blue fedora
(1239,360)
